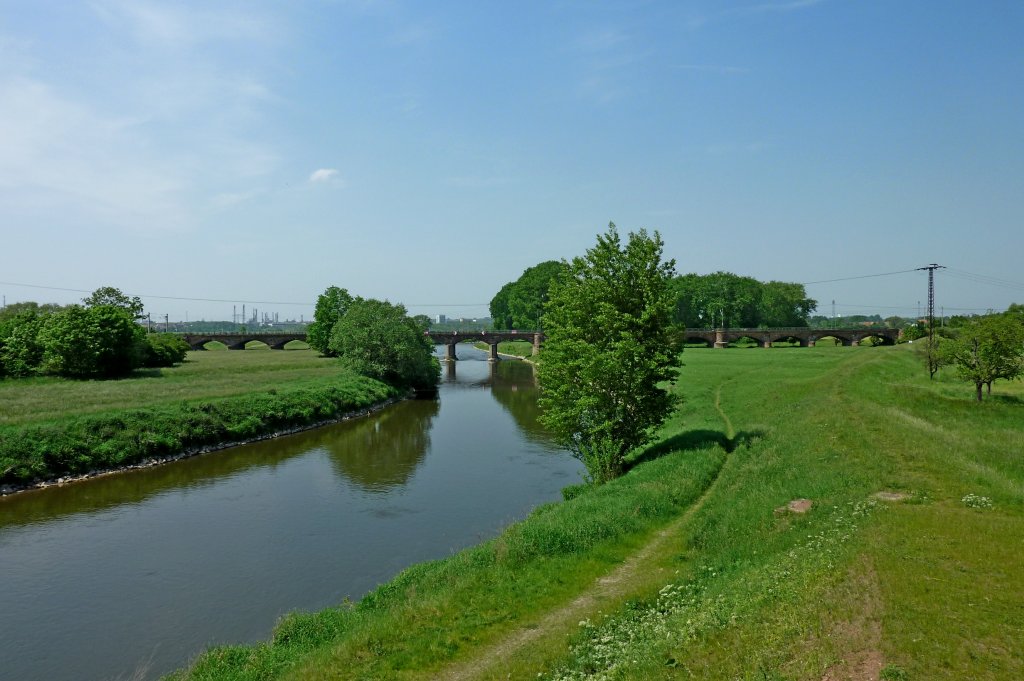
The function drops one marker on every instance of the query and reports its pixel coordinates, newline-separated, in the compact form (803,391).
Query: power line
(864,276)
(223,300)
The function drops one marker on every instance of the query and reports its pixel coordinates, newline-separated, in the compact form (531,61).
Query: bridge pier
(766,342)
(536,344)
(493,356)
(449,352)
(720,339)
(811,342)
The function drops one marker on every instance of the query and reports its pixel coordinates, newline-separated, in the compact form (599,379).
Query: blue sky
(429,152)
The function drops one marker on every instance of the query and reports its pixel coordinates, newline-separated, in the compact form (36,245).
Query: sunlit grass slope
(930,586)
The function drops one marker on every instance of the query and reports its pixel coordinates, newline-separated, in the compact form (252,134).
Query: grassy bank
(512,348)
(53,427)
(926,586)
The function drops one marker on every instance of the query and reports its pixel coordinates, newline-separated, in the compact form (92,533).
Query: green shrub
(164,350)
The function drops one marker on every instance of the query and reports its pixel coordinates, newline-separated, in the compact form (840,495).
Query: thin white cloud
(323,175)
(175,25)
(68,153)
(712,68)
(169,143)
(786,7)
(600,40)
(476,181)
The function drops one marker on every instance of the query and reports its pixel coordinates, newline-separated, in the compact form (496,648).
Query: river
(132,575)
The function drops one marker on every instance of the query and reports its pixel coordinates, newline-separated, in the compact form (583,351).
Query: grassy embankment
(928,587)
(512,348)
(51,427)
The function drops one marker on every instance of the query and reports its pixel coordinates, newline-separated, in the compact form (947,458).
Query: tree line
(100,338)
(698,300)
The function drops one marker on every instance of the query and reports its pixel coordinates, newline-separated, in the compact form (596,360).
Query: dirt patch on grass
(858,636)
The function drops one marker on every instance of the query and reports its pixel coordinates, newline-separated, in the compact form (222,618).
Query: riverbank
(735,580)
(511,350)
(232,398)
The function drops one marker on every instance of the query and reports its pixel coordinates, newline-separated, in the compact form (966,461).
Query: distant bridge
(450,339)
(714,338)
(237,341)
(805,337)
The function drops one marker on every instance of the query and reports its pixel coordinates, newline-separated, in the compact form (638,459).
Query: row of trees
(729,300)
(699,301)
(374,338)
(99,339)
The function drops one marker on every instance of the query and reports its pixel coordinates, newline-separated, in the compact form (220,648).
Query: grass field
(204,376)
(51,427)
(705,574)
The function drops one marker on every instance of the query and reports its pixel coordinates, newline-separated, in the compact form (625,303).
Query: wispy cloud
(606,58)
(322,175)
(476,181)
(169,142)
(712,68)
(171,25)
(600,40)
(784,7)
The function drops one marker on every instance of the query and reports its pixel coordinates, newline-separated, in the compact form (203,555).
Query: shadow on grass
(1005,399)
(695,439)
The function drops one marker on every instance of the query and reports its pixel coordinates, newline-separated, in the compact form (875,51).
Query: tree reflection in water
(381,453)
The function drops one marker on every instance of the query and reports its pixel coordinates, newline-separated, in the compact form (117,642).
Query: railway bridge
(714,338)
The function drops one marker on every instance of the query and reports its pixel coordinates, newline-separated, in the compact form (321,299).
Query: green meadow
(52,427)
(906,565)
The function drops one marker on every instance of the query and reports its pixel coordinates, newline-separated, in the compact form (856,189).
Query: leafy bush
(164,350)
(379,340)
(87,342)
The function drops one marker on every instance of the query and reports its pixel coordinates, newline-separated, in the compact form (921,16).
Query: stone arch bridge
(803,336)
(715,338)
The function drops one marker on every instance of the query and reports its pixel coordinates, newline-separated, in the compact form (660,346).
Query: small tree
(331,306)
(607,351)
(379,340)
(989,349)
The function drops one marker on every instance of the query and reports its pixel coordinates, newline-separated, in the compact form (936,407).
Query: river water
(132,575)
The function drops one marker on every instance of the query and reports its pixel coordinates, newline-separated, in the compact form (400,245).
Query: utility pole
(833,313)
(167,323)
(931,299)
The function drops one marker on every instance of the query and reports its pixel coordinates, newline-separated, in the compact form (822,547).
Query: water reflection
(149,567)
(379,454)
(518,396)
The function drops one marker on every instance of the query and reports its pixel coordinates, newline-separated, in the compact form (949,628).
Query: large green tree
(98,341)
(609,351)
(520,303)
(331,306)
(378,339)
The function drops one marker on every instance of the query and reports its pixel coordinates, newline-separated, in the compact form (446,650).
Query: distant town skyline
(427,153)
